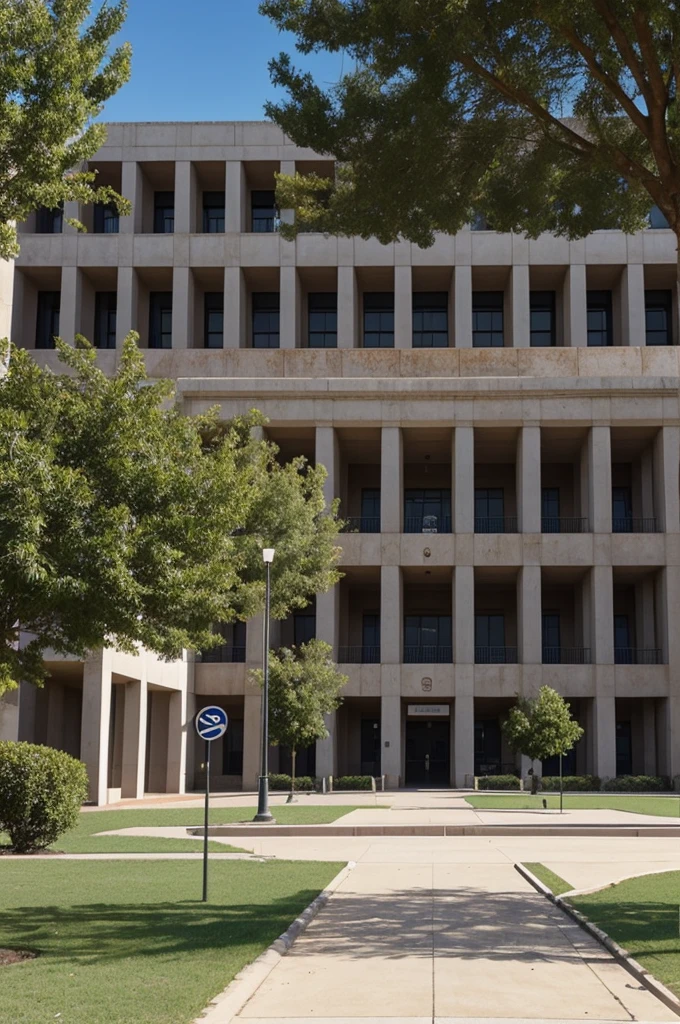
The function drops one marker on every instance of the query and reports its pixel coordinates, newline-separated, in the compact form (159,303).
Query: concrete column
(529,479)
(347,308)
(604,720)
(649,732)
(464,615)
(602,612)
(462,309)
(529,615)
(287,167)
(390,733)
(71,212)
(71,303)
(290,300)
(327,628)
(183,295)
(666,482)
(185,197)
(600,480)
(95,720)
(519,301)
(391,615)
(328,455)
(132,188)
(134,740)
(633,304)
(575,306)
(667,596)
(176,772)
(127,315)
(235,308)
(403,308)
(254,641)
(252,711)
(464,736)
(391,480)
(235,196)
(464,480)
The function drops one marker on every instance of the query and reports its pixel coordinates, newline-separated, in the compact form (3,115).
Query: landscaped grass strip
(556,884)
(664,806)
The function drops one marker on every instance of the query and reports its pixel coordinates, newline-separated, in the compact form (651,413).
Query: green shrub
(638,784)
(498,782)
(303,783)
(353,782)
(41,791)
(572,783)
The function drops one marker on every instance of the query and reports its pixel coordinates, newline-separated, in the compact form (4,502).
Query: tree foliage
(542,727)
(542,115)
(56,73)
(125,522)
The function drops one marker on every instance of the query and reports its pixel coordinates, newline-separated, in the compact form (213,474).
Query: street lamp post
(263,812)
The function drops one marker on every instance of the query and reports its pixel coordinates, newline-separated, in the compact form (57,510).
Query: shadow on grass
(635,924)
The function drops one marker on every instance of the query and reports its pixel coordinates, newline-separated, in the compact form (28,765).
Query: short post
(264,815)
(206,814)
(560,781)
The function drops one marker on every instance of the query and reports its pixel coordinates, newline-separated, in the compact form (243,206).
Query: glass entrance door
(428,754)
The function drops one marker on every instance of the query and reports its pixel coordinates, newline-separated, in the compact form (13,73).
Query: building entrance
(428,753)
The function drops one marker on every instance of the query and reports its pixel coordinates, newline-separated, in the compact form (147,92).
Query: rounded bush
(571,783)
(41,791)
(303,783)
(353,782)
(498,782)
(637,784)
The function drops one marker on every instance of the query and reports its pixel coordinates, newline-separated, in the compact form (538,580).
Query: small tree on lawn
(304,685)
(541,727)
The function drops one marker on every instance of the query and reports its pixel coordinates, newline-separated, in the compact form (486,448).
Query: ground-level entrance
(428,752)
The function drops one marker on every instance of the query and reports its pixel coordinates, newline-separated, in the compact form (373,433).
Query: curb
(620,954)
(620,830)
(224,1007)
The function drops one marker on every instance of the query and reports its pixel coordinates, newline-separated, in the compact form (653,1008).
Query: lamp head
(268,555)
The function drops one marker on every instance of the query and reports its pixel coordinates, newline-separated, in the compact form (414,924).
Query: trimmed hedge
(571,783)
(638,784)
(353,782)
(498,782)
(41,791)
(303,783)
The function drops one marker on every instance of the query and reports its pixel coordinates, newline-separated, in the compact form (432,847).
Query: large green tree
(56,73)
(125,522)
(541,727)
(542,115)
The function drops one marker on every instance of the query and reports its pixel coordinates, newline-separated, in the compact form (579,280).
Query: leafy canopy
(125,522)
(542,727)
(542,115)
(56,73)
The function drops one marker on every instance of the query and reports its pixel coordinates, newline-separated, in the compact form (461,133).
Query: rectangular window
(213,212)
(370,503)
(489,510)
(160,320)
(47,320)
(266,319)
(213,323)
(550,509)
(105,219)
(490,630)
(105,306)
(370,629)
(550,625)
(487,320)
(263,211)
(623,653)
(322,324)
(163,213)
(430,320)
(542,319)
(658,317)
(599,319)
(378,319)
(427,509)
(304,627)
(624,748)
(622,510)
(49,221)
(427,638)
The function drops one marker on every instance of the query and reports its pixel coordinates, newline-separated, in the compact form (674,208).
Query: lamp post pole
(263,812)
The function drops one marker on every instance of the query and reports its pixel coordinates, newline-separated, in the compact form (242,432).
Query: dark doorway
(370,746)
(488,746)
(624,749)
(305,761)
(428,753)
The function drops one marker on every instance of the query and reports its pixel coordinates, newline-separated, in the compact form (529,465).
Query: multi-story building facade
(499,418)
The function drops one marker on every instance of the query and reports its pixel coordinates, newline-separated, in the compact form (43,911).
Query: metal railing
(628,524)
(496,524)
(427,524)
(225,655)
(566,655)
(637,656)
(560,524)
(362,524)
(358,655)
(495,655)
(428,655)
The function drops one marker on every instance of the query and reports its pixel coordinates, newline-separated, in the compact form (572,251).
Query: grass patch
(556,884)
(666,806)
(129,942)
(642,915)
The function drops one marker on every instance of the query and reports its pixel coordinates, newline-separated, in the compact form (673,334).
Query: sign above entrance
(436,710)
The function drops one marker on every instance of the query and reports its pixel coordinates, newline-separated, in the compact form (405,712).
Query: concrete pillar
(649,733)
(287,167)
(519,302)
(602,611)
(529,479)
(132,188)
(176,771)
(327,454)
(134,740)
(185,197)
(127,315)
(604,720)
(529,615)
(600,480)
(235,308)
(182,307)
(643,481)
(464,480)
(390,733)
(71,303)
(252,710)
(667,603)
(391,615)
(464,735)
(290,300)
(403,307)
(235,197)
(633,304)
(462,309)
(391,480)
(72,211)
(347,307)
(96,715)
(645,600)
(464,615)
(666,481)
(575,306)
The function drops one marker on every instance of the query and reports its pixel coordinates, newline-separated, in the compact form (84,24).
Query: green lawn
(667,806)
(642,914)
(556,884)
(128,943)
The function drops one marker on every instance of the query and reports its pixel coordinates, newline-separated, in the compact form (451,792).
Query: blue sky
(203,60)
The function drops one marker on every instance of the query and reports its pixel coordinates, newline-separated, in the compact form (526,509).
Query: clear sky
(203,60)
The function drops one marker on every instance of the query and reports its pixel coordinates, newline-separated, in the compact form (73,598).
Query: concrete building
(498,416)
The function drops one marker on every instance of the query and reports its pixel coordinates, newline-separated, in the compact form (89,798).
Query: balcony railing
(427,524)
(225,655)
(358,655)
(362,524)
(495,655)
(629,525)
(496,524)
(566,656)
(568,524)
(637,656)
(428,655)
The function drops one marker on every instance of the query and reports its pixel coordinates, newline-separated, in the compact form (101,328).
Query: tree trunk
(534,779)
(291,795)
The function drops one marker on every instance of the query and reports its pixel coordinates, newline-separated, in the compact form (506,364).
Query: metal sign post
(211,724)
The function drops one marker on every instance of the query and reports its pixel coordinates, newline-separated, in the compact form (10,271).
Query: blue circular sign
(211,722)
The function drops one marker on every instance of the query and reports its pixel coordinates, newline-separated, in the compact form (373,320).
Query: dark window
(599,319)
(489,510)
(657,219)
(427,638)
(232,748)
(49,221)
(370,503)
(487,320)
(263,211)
(487,746)
(658,317)
(378,319)
(550,624)
(622,510)
(213,325)
(624,748)
(265,319)
(163,213)
(550,509)
(322,325)
(47,321)
(427,508)
(105,305)
(233,648)
(370,630)
(213,212)
(430,320)
(105,219)
(304,627)
(542,319)
(160,320)
(480,223)
(623,654)
(490,630)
